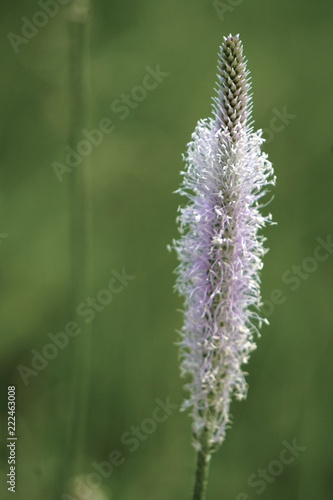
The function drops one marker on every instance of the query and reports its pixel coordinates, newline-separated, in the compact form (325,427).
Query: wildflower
(220,249)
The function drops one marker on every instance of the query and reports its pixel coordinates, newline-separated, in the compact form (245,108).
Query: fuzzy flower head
(220,250)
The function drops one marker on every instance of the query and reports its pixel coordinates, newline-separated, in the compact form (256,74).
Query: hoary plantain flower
(220,253)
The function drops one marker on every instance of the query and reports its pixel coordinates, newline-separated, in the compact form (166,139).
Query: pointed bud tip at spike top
(232,107)
(231,37)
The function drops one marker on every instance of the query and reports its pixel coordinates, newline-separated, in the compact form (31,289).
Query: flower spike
(220,250)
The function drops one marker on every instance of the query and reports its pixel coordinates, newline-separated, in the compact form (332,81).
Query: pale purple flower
(220,250)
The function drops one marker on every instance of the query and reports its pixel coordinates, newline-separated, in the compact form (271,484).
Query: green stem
(80,230)
(78,352)
(201,474)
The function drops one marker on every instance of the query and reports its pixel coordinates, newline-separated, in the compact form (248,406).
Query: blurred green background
(134,170)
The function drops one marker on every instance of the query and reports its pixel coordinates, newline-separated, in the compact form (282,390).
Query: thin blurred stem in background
(80,233)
